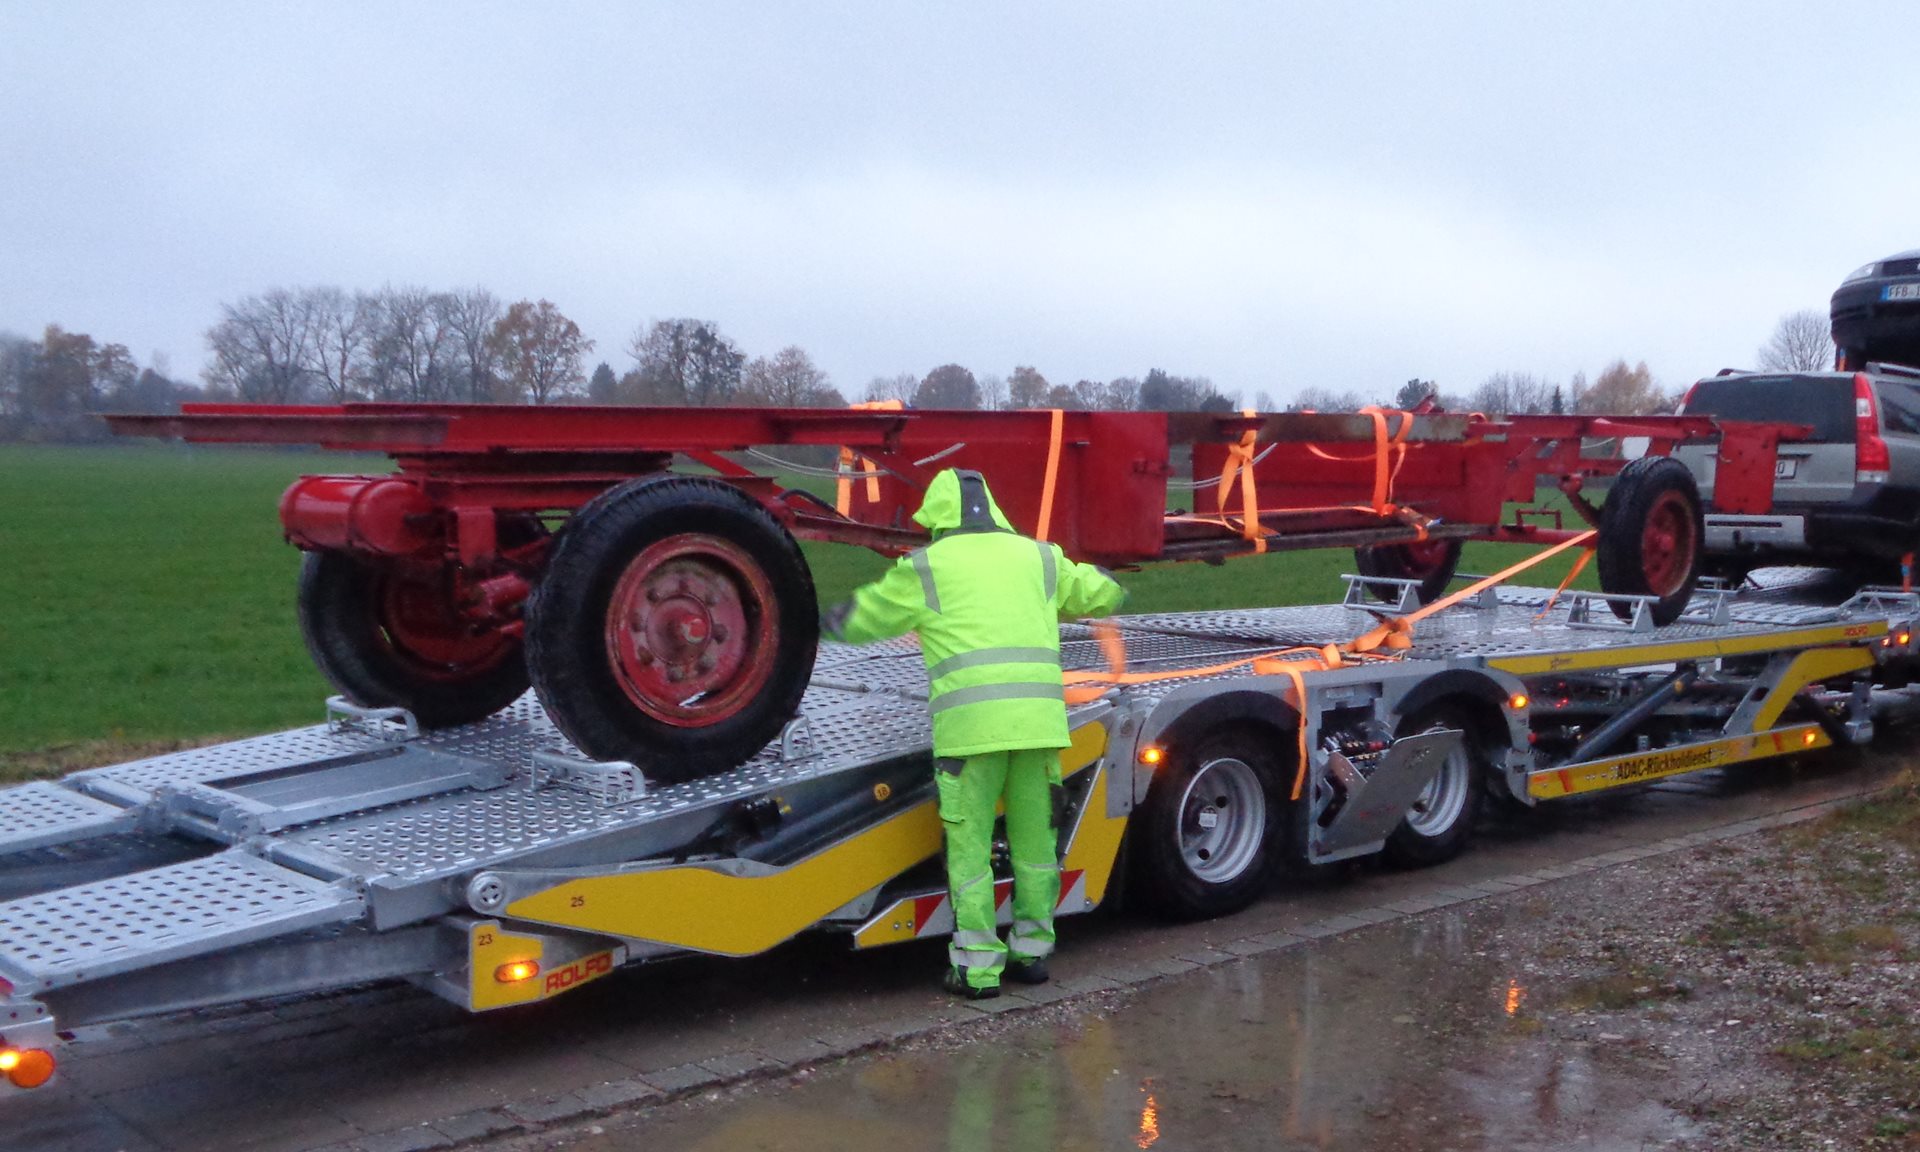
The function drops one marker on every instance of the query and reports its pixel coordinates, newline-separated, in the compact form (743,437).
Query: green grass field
(148,597)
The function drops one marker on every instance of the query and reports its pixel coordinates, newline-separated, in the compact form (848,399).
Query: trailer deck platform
(365,847)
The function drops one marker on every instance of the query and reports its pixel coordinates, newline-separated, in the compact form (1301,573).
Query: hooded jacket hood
(959,498)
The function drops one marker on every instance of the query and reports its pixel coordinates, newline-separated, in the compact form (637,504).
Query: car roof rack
(1906,370)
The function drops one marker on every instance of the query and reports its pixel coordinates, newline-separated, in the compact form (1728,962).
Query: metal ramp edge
(43,814)
(90,931)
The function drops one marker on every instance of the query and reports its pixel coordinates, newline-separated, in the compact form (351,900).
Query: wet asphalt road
(1400,1037)
(393,1068)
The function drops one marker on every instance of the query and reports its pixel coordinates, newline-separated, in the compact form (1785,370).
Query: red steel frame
(458,466)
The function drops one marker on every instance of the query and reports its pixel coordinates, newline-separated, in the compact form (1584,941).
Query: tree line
(409,344)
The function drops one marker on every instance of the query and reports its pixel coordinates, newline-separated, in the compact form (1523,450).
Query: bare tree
(993,391)
(263,347)
(1122,394)
(342,330)
(1801,342)
(412,346)
(788,379)
(1319,399)
(540,350)
(684,362)
(899,386)
(469,317)
(1512,393)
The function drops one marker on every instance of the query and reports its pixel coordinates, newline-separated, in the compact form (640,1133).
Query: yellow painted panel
(1096,843)
(891,925)
(702,908)
(487,949)
(1639,767)
(1663,653)
(1810,667)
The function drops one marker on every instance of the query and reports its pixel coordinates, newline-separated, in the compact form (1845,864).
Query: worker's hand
(833,620)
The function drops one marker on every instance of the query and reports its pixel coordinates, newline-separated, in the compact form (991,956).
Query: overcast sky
(1273,195)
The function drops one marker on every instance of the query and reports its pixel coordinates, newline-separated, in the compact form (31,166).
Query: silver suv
(1849,496)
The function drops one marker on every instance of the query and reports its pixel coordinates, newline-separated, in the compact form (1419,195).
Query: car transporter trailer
(495,865)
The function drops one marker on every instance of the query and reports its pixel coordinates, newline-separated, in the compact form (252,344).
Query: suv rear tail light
(1871,462)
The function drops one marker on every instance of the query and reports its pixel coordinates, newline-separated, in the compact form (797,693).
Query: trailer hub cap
(1667,544)
(686,623)
(420,626)
(1223,815)
(1441,802)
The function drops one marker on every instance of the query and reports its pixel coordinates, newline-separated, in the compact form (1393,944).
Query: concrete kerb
(729,1069)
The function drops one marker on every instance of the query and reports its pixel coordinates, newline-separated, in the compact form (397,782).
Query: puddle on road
(1400,1039)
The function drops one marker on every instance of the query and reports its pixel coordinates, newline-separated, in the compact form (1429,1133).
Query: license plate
(1900,292)
(1784,469)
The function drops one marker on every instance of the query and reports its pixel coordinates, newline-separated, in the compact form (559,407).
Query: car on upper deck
(1876,312)
(1848,496)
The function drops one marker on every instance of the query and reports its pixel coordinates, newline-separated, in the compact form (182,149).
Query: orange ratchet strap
(1394,634)
(1240,465)
(843,487)
(1053,474)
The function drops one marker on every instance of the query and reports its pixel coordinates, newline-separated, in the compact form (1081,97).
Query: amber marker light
(1517,701)
(516,971)
(1808,737)
(1904,637)
(1152,755)
(27,1068)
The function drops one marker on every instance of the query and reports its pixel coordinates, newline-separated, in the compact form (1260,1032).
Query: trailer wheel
(388,636)
(675,627)
(1207,837)
(1440,822)
(1432,562)
(1651,530)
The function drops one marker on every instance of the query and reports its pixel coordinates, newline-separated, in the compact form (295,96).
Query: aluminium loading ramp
(370,853)
(363,826)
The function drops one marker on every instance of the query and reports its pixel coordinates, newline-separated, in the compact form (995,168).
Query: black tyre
(1432,562)
(675,627)
(1651,530)
(1207,838)
(1440,822)
(388,636)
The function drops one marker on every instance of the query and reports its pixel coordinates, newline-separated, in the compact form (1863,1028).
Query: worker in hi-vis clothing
(987,604)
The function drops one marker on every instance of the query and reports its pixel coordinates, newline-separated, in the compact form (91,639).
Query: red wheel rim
(1423,558)
(690,630)
(1667,544)
(421,627)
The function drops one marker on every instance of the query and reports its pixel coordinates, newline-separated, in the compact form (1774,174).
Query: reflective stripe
(924,567)
(991,961)
(1049,577)
(983,692)
(979,656)
(1035,947)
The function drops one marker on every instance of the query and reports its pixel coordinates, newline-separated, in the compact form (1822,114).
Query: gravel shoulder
(1767,987)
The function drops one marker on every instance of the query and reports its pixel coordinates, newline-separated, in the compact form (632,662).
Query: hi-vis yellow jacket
(987,604)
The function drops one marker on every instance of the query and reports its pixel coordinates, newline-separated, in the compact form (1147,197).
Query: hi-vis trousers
(970,790)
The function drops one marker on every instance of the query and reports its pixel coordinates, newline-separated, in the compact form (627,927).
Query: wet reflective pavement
(1408,1036)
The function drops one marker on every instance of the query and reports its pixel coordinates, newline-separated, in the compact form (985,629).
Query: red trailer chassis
(454,546)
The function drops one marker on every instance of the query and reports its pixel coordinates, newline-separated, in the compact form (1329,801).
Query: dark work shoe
(1029,972)
(956,983)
